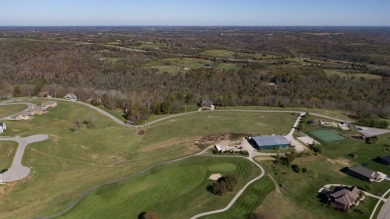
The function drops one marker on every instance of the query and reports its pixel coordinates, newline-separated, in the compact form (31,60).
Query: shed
(384,160)
(363,173)
(269,142)
(71,96)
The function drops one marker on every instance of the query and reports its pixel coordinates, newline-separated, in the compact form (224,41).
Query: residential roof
(71,95)
(362,171)
(371,132)
(384,158)
(270,140)
(346,196)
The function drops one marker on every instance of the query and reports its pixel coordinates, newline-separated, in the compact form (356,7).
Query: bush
(304,170)
(147,215)
(316,148)
(223,185)
(296,168)
(372,140)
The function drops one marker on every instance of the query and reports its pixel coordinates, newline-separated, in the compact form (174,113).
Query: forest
(140,69)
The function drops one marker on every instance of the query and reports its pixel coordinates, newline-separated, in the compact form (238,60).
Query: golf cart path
(17,171)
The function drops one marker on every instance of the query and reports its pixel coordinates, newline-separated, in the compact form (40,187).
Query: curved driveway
(17,171)
(30,106)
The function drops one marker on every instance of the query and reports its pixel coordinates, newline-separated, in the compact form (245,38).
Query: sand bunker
(215,176)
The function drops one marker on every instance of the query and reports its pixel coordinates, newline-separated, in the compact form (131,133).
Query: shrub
(295,168)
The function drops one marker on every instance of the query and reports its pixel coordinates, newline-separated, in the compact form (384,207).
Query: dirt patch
(342,161)
(6,188)
(215,176)
(214,139)
(167,143)
(55,138)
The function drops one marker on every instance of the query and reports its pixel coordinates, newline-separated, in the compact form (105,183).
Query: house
(44,94)
(218,148)
(364,173)
(207,103)
(344,197)
(23,116)
(71,96)
(269,142)
(384,160)
(47,104)
(39,110)
(3,126)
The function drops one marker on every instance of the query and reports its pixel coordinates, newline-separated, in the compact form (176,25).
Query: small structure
(207,66)
(207,103)
(44,94)
(218,148)
(384,160)
(344,197)
(47,104)
(269,142)
(23,116)
(364,173)
(39,110)
(71,96)
(3,127)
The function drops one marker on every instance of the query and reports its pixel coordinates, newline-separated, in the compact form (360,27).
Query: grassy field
(71,161)
(220,53)
(249,201)
(176,65)
(11,109)
(167,190)
(350,74)
(7,152)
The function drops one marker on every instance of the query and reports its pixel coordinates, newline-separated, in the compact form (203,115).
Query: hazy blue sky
(195,12)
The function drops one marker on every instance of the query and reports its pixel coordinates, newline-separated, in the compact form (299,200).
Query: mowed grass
(215,122)
(350,74)
(7,152)
(177,190)
(325,135)
(326,112)
(11,109)
(253,196)
(71,161)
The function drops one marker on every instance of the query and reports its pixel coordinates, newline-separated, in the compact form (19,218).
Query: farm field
(166,190)
(7,152)
(11,109)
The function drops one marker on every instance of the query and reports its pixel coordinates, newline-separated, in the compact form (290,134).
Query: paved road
(17,171)
(30,106)
(385,211)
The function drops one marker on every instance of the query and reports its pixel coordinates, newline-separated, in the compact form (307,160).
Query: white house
(71,96)
(3,127)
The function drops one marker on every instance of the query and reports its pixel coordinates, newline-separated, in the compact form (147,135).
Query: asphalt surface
(17,171)
(30,106)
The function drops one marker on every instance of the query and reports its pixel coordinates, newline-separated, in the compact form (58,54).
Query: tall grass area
(177,190)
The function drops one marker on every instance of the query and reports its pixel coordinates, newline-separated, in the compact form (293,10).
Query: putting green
(226,167)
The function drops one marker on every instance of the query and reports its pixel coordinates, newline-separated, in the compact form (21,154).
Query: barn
(269,142)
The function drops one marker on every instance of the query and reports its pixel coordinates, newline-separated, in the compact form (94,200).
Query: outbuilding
(3,127)
(71,96)
(269,142)
(363,173)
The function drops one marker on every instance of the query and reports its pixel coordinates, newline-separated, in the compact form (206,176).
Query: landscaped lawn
(253,196)
(299,190)
(168,190)
(11,109)
(7,152)
(71,161)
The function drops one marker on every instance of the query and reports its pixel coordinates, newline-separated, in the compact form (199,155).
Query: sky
(195,12)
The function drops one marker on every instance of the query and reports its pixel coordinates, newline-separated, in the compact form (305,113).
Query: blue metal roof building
(269,142)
